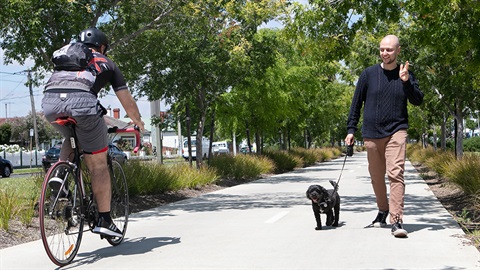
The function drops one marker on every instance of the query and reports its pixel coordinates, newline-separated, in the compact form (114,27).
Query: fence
(23,159)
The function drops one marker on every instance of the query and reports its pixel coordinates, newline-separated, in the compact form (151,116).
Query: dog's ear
(325,194)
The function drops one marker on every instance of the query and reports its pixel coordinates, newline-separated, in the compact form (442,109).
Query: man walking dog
(384,90)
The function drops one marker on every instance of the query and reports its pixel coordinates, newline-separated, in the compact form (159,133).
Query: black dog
(325,202)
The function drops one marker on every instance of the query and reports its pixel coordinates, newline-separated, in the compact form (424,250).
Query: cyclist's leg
(100,176)
(91,131)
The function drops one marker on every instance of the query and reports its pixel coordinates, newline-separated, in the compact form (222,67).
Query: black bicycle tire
(119,187)
(48,238)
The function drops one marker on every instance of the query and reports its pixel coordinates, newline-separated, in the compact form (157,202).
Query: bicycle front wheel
(60,214)
(119,208)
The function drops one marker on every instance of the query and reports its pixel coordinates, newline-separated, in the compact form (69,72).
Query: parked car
(51,156)
(6,167)
(205,146)
(220,148)
(116,153)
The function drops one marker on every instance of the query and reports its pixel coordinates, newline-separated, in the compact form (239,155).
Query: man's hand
(140,124)
(404,72)
(350,139)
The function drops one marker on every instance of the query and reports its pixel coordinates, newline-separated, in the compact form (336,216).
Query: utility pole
(6,110)
(34,112)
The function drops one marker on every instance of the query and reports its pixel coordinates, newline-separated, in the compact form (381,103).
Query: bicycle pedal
(105,237)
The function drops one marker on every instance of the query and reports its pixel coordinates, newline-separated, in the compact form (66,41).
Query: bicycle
(64,213)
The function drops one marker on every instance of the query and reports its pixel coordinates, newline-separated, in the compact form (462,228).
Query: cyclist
(74,93)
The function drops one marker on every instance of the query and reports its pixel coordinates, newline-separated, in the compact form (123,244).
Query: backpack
(72,57)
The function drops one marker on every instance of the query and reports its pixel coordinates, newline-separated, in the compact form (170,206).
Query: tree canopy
(225,74)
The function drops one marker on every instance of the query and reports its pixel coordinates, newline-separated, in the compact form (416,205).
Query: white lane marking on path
(277,217)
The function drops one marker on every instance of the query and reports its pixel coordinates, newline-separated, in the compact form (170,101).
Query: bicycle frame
(64,211)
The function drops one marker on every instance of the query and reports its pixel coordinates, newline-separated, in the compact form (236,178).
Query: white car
(220,147)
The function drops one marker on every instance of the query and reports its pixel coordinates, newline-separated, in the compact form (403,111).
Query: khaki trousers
(387,155)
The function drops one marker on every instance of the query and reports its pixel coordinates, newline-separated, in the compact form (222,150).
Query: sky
(15,98)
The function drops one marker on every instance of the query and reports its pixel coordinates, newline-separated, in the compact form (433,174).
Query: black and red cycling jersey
(106,72)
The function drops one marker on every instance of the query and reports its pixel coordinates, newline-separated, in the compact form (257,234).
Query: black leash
(348,154)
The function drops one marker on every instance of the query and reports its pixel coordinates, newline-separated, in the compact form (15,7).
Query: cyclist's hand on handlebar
(140,125)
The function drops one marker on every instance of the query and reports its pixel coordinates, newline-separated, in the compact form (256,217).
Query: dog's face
(317,193)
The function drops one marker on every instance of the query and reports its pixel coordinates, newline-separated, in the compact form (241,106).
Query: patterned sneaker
(105,228)
(55,183)
(381,220)
(398,231)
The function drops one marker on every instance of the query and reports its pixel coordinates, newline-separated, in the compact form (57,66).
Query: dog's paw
(318,228)
(335,224)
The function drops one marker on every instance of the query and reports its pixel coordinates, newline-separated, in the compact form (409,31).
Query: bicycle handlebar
(135,130)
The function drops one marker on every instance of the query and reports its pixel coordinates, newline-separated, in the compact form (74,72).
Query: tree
(5,133)
(21,129)
(447,35)
(206,50)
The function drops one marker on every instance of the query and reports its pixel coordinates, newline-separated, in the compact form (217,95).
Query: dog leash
(349,153)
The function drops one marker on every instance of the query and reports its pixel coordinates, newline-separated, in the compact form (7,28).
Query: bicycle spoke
(61,222)
(119,206)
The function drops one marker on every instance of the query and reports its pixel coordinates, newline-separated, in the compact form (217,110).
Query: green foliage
(440,161)
(241,167)
(18,197)
(8,201)
(465,173)
(284,161)
(472,144)
(157,178)
(418,154)
(309,156)
(189,177)
(5,133)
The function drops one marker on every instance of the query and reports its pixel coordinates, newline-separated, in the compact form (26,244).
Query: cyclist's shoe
(55,183)
(381,220)
(398,230)
(107,229)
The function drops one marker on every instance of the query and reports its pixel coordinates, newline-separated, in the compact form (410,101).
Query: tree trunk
(189,135)
(289,139)
(212,130)
(443,139)
(249,145)
(257,142)
(459,132)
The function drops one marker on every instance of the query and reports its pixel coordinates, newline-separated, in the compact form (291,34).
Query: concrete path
(269,224)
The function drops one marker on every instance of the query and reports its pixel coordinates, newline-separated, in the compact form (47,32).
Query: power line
(12,73)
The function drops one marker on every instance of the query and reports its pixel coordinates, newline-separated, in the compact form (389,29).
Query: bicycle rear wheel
(60,214)
(119,206)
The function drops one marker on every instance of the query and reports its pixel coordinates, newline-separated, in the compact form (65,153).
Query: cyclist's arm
(130,106)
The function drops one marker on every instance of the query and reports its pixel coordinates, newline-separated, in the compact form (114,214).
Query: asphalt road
(269,224)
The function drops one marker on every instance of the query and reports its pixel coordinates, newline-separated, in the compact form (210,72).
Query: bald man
(383,90)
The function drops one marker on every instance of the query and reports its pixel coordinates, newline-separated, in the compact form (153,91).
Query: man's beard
(389,61)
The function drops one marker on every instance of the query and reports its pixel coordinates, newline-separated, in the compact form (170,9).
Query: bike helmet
(94,37)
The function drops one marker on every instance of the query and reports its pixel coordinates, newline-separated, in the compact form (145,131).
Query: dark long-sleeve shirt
(384,97)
